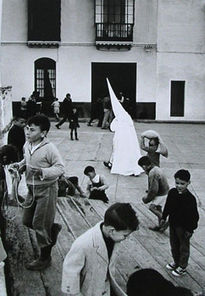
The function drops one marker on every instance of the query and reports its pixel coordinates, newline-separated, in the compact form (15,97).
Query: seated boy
(155,147)
(157,189)
(16,135)
(88,267)
(96,186)
(43,168)
(68,186)
(183,215)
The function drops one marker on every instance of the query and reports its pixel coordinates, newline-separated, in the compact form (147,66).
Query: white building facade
(151,50)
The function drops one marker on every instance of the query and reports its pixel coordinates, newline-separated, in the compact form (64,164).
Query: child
(43,168)
(183,215)
(88,266)
(96,186)
(16,135)
(74,124)
(157,189)
(7,156)
(68,186)
(149,282)
(155,148)
(23,106)
(56,109)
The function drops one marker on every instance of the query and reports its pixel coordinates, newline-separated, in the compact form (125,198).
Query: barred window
(45,77)
(114,11)
(114,19)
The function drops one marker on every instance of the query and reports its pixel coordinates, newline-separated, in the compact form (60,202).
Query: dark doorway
(122,77)
(177,98)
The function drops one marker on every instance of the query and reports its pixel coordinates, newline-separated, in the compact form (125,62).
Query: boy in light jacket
(43,166)
(88,268)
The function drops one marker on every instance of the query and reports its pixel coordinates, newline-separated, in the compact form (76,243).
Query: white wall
(18,67)
(187,67)
(77,52)
(145,29)
(181,56)
(73,69)
(14,20)
(181,26)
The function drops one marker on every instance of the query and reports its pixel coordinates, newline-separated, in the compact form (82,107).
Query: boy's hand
(13,166)
(36,171)
(162,222)
(144,199)
(188,234)
(93,188)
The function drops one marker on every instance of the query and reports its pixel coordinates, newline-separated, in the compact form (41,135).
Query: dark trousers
(180,246)
(65,117)
(71,133)
(40,216)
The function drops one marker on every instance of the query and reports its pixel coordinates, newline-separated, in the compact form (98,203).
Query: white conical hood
(118,110)
(126,150)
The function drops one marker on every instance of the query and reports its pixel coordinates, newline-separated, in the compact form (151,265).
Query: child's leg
(175,245)
(80,190)
(45,214)
(28,213)
(184,247)
(156,210)
(76,134)
(71,134)
(43,224)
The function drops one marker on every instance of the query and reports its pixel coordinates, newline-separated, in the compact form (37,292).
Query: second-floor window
(44,20)
(114,19)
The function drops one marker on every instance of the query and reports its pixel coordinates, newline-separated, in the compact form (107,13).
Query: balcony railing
(114,32)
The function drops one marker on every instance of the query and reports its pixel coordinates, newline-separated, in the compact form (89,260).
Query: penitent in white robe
(126,149)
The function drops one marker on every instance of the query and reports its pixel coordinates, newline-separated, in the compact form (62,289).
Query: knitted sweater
(46,157)
(181,209)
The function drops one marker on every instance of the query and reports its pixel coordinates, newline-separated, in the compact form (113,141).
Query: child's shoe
(56,228)
(39,264)
(171,266)
(179,271)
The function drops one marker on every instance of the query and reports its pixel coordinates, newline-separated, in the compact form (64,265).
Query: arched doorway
(45,83)
(45,78)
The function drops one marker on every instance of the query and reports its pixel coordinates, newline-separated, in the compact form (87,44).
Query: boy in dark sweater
(183,215)
(16,135)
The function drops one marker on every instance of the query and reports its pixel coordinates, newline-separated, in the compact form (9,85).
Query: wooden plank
(23,282)
(160,250)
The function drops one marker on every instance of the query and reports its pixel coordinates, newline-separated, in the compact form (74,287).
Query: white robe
(126,149)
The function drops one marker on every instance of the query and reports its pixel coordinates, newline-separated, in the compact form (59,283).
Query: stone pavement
(186,150)
(144,248)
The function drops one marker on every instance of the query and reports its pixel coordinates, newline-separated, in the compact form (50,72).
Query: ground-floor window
(177,98)
(45,78)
